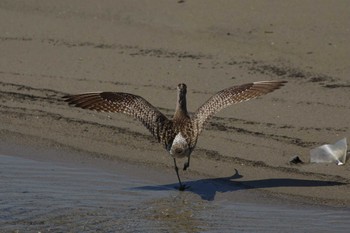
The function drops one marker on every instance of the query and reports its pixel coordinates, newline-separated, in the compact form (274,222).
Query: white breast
(179,148)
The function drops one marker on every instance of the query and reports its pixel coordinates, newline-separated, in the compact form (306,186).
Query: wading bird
(178,135)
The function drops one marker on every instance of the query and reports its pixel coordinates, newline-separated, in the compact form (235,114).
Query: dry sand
(52,48)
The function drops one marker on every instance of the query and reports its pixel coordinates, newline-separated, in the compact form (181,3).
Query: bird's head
(182,88)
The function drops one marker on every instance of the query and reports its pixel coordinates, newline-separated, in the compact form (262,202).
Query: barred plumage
(126,103)
(178,135)
(232,95)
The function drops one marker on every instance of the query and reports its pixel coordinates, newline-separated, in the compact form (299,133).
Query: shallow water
(55,196)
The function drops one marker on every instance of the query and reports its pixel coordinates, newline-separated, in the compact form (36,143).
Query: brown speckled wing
(229,96)
(129,104)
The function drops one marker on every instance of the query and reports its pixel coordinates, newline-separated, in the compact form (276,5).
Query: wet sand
(55,194)
(55,48)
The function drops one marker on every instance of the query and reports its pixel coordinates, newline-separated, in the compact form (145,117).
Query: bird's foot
(186,165)
(183,187)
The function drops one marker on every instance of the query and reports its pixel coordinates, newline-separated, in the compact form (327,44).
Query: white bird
(178,135)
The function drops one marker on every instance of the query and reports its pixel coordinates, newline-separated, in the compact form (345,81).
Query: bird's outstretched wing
(232,95)
(126,103)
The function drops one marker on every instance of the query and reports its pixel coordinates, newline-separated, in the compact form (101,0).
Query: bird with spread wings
(178,135)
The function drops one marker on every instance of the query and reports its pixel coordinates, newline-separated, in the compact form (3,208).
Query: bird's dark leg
(182,187)
(187,164)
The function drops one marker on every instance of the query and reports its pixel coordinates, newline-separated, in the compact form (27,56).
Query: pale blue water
(58,197)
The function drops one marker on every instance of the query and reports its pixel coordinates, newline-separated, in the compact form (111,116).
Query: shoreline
(64,191)
(49,151)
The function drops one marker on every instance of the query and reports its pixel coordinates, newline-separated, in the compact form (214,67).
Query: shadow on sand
(207,188)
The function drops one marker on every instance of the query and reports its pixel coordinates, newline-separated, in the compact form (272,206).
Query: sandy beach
(53,48)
